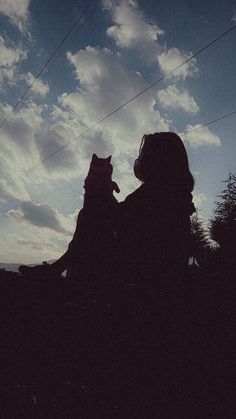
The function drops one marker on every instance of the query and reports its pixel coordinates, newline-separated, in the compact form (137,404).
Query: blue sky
(118,48)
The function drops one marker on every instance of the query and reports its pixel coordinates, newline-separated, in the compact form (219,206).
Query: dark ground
(163,351)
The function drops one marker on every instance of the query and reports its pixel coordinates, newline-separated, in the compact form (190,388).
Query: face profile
(137,168)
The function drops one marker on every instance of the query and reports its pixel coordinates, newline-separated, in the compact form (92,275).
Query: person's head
(163,161)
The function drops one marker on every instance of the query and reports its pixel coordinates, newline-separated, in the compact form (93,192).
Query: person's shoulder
(132,199)
(135,195)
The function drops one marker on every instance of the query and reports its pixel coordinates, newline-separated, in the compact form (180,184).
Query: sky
(117,49)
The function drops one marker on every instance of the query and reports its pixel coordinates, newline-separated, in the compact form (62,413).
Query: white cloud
(11,188)
(106,83)
(10,54)
(17,11)
(30,245)
(234,18)
(39,87)
(199,198)
(18,151)
(131,29)
(10,57)
(200,137)
(34,244)
(21,127)
(26,139)
(174,98)
(40,215)
(11,165)
(172,58)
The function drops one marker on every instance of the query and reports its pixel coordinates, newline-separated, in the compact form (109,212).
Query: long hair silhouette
(163,162)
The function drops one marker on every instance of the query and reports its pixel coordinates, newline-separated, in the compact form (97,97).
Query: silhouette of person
(153,222)
(153,238)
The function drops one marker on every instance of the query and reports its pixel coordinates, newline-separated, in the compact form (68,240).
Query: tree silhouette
(200,242)
(223,224)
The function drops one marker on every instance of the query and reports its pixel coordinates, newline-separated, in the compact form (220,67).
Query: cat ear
(95,157)
(109,159)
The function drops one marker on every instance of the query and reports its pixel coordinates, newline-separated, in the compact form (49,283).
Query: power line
(87,18)
(137,95)
(47,62)
(210,123)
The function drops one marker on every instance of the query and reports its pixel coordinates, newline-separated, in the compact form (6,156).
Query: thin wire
(136,96)
(209,123)
(47,62)
(75,32)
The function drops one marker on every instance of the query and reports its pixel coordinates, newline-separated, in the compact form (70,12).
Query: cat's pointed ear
(94,157)
(109,159)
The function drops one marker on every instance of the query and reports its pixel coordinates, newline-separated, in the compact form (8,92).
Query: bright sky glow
(118,48)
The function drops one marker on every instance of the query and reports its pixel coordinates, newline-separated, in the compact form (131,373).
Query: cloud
(199,198)
(48,140)
(200,137)
(28,137)
(18,152)
(40,215)
(30,245)
(10,56)
(39,87)
(234,18)
(34,244)
(21,127)
(131,30)
(172,58)
(97,142)
(105,83)
(23,141)
(36,131)
(17,11)
(11,188)
(174,98)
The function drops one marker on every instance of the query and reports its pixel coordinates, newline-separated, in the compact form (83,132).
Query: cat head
(100,165)
(99,161)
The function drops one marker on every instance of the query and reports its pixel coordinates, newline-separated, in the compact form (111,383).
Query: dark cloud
(40,215)
(96,143)
(47,143)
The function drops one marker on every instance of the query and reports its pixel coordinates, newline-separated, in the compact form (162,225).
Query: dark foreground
(127,351)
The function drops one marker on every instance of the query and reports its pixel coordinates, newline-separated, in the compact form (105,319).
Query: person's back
(153,234)
(154,221)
